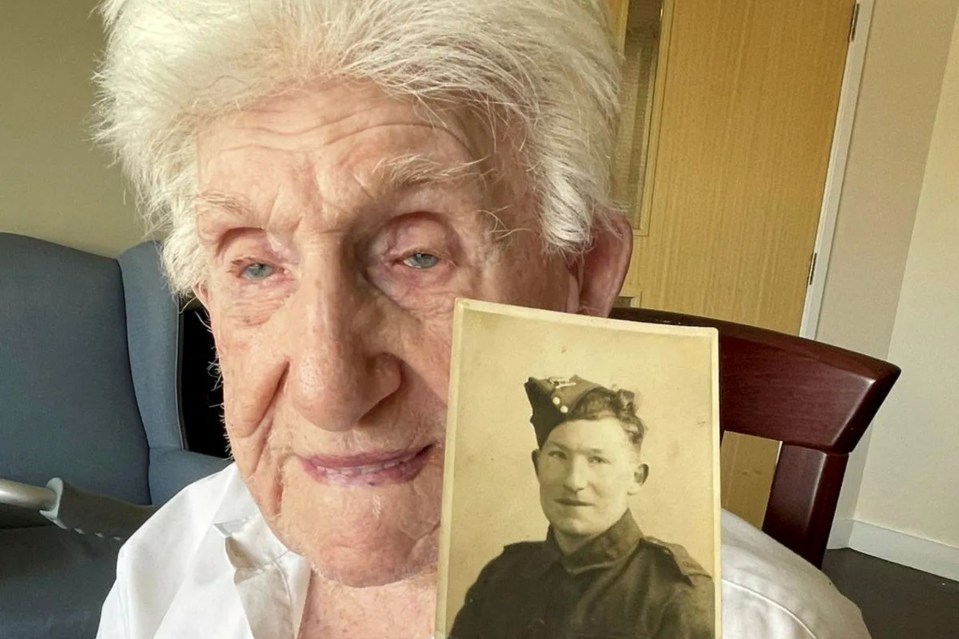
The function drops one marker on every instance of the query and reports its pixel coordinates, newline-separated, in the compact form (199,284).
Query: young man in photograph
(596,574)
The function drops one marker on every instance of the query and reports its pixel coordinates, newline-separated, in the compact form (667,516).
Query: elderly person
(329,176)
(595,574)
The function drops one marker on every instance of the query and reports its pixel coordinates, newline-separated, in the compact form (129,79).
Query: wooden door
(748,95)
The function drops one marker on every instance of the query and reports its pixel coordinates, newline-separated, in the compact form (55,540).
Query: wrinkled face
(587,470)
(338,227)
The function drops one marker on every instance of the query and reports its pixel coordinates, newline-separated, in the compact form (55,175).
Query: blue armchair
(90,350)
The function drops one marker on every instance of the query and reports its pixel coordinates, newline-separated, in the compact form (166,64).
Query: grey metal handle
(13,493)
(73,509)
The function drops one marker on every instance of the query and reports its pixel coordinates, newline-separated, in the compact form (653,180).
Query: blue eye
(257,271)
(421,261)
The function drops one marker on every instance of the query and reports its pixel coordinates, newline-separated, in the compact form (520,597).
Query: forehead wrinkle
(338,136)
(276,119)
(318,134)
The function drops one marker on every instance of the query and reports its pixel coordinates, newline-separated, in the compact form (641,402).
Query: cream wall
(53,183)
(909,484)
(899,94)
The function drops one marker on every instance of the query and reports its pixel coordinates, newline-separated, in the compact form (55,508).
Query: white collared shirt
(206,565)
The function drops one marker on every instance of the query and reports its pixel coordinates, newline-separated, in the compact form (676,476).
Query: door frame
(835,173)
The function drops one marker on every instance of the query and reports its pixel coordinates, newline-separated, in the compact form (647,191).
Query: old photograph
(581,492)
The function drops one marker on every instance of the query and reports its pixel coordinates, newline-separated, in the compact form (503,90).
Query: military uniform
(619,585)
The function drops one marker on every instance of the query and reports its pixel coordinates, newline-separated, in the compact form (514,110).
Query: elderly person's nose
(339,367)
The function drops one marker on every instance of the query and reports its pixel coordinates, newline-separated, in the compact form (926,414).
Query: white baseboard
(840,533)
(898,547)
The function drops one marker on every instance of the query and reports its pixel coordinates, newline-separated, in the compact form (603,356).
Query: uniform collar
(601,552)
(604,550)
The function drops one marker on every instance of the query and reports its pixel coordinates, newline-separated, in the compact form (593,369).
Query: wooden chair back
(814,398)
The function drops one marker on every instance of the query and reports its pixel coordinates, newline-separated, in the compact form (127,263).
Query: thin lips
(572,502)
(365,462)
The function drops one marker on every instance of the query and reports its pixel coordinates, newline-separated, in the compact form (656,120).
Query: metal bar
(14,493)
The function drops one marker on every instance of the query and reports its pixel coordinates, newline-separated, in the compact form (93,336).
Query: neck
(568,544)
(403,609)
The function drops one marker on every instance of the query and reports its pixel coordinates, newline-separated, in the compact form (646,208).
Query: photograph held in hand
(530,451)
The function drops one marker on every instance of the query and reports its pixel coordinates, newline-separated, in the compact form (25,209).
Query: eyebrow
(230,204)
(388,176)
(566,449)
(415,169)
(411,170)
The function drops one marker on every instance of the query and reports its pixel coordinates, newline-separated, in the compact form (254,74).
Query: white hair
(545,67)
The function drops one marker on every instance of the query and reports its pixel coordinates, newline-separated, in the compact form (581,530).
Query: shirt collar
(271,580)
(249,541)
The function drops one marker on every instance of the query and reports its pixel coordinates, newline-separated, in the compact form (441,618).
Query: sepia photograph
(581,491)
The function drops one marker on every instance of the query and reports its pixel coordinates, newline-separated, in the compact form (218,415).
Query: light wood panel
(617,10)
(747,465)
(748,105)
(645,41)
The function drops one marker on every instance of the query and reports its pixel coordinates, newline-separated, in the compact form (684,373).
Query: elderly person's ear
(599,272)
(202,293)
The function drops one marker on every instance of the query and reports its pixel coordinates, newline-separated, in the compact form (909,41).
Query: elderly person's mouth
(368,469)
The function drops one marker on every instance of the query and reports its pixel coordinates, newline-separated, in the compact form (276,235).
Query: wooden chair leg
(801,510)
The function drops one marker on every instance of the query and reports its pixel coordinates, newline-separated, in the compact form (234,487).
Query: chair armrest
(73,509)
(87,513)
